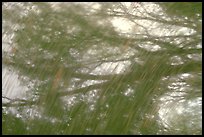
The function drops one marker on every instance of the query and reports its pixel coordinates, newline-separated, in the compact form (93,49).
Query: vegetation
(86,76)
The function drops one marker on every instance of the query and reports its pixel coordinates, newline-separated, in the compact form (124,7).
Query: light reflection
(176,60)
(122,25)
(129,92)
(107,68)
(176,114)
(150,47)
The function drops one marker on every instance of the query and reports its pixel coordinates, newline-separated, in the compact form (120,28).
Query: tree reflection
(90,77)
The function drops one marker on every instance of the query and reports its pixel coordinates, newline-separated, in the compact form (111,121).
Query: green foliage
(12,125)
(188,9)
(61,49)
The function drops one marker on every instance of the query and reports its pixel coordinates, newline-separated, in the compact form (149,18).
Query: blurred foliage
(188,9)
(59,48)
(12,125)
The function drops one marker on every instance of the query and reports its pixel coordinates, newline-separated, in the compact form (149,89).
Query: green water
(86,76)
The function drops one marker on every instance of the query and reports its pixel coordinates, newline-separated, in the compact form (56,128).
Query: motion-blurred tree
(73,55)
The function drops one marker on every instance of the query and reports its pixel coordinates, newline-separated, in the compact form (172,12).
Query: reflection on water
(11,86)
(178,111)
(181,115)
